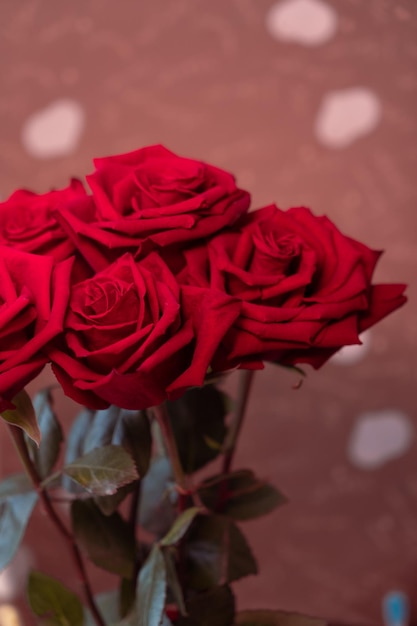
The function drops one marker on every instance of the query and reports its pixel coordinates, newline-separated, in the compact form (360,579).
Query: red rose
(27,221)
(305,288)
(132,337)
(34,293)
(155,197)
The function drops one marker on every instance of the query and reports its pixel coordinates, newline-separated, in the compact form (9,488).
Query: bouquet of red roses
(141,295)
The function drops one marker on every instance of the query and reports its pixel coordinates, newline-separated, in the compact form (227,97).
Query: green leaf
(45,456)
(198,419)
(107,603)
(241,561)
(133,432)
(110,504)
(126,597)
(151,591)
(158,498)
(180,527)
(15,510)
(240,495)
(50,600)
(129,429)
(215,607)
(172,579)
(216,552)
(24,416)
(106,429)
(205,552)
(275,618)
(105,539)
(101,433)
(103,471)
(91,431)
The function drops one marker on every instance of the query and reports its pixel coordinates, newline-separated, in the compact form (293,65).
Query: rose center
(274,255)
(106,300)
(165,184)
(184,178)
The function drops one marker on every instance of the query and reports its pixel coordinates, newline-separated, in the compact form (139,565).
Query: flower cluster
(136,291)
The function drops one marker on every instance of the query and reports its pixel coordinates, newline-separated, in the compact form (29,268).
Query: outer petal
(212,314)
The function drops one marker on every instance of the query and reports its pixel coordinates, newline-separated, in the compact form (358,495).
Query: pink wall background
(308,102)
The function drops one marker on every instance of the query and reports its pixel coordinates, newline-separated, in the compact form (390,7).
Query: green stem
(127,588)
(134,508)
(133,523)
(164,423)
(244,389)
(20,444)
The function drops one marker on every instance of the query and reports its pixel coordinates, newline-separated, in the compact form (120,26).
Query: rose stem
(133,517)
(245,384)
(20,444)
(164,422)
(134,508)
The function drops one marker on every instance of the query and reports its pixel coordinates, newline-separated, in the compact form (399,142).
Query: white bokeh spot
(351,355)
(347,115)
(9,616)
(307,22)
(379,437)
(54,131)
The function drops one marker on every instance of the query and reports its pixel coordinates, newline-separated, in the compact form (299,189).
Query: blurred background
(308,102)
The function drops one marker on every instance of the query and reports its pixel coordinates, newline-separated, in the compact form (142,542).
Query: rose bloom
(305,288)
(34,292)
(151,197)
(27,220)
(133,338)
